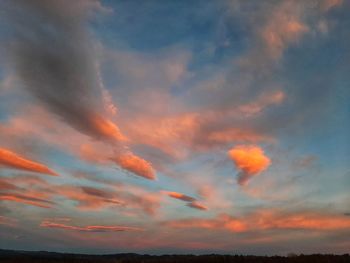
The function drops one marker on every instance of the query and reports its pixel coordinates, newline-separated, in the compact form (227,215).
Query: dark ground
(10,256)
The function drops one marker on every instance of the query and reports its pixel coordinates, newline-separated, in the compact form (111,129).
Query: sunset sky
(175,126)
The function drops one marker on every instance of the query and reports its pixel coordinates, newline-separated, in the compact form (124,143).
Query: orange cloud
(92,198)
(136,165)
(265,220)
(181,196)
(177,135)
(13,160)
(164,132)
(250,160)
(273,220)
(223,222)
(107,129)
(6,185)
(89,198)
(197,205)
(94,228)
(233,135)
(192,202)
(123,158)
(33,190)
(25,199)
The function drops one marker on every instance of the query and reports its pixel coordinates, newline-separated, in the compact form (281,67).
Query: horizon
(175,127)
(156,255)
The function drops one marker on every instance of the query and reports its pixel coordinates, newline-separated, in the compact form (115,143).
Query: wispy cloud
(93,228)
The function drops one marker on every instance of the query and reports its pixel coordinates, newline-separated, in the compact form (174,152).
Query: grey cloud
(53,54)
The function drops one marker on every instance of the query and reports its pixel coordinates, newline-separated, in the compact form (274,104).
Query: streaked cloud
(180,196)
(197,205)
(191,201)
(94,228)
(12,160)
(25,199)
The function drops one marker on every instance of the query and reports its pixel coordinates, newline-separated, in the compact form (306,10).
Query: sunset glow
(175,126)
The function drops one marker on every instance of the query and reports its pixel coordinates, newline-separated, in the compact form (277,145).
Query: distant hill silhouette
(12,256)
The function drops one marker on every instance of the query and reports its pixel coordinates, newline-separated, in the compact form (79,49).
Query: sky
(175,126)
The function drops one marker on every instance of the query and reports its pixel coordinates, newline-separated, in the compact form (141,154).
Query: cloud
(136,165)
(13,160)
(4,185)
(312,222)
(283,27)
(25,199)
(250,160)
(223,222)
(8,221)
(35,191)
(93,198)
(191,201)
(52,53)
(262,102)
(89,198)
(178,135)
(329,4)
(197,205)
(266,220)
(94,228)
(180,196)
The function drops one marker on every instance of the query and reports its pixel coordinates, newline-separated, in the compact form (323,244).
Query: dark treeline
(8,256)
